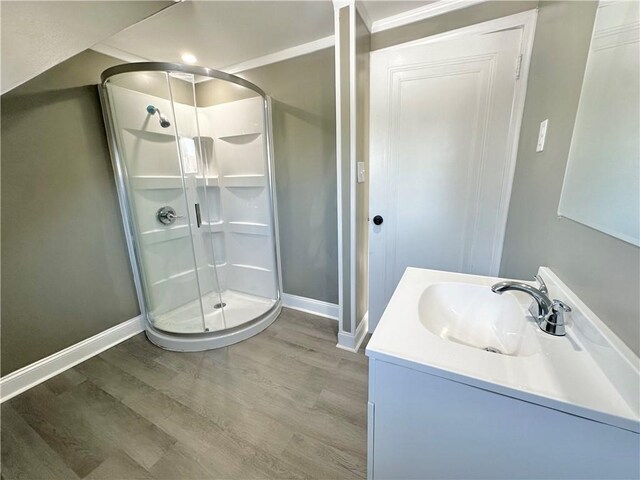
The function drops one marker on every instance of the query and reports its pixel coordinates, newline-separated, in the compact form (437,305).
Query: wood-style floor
(284,404)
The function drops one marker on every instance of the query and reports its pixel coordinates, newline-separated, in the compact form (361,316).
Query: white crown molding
(431,10)
(118,53)
(310,305)
(42,370)
(285,54)
(364,14)
(352,341)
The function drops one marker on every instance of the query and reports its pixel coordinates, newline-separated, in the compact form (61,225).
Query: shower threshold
(240,308)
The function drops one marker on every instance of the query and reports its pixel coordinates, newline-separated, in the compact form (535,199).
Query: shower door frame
(204,340)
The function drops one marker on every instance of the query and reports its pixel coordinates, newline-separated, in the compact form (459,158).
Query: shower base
(244,316)
(240,308)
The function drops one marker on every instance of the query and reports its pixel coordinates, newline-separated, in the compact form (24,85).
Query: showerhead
(164,122)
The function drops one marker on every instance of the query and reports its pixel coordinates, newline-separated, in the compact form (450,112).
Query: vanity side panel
(430,427)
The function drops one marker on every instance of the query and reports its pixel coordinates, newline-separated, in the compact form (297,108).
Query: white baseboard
(309,305)
(36,373)
(352,341)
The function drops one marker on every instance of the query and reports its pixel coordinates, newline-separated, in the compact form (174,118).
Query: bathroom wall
(363,45)
(303,94)
(602,270)
(65,270)
(449,21)
(303,98)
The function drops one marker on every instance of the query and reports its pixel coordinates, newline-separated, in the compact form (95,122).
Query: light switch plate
(360,172)
(542,135)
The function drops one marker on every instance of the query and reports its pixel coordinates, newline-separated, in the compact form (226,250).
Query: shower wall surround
(196,192)
(304,137)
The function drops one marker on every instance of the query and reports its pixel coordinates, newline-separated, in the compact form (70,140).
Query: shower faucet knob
(167,215)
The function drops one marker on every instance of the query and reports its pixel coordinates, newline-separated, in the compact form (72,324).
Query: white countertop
(588,373)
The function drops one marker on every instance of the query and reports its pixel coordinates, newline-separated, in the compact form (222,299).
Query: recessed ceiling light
(189,58)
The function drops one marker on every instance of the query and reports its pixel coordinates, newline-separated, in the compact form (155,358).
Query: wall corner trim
(310,305)
(27,377)
(352,341)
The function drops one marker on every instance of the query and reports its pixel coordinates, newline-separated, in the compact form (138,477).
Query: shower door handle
(198,217)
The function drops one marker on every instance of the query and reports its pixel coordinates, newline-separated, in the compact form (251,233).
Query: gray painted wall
(65,270)
(602,270)
(304,126)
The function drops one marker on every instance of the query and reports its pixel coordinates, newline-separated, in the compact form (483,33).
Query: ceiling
(37,35)
(224,33)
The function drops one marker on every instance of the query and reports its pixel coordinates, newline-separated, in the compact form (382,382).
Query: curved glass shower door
(193,167)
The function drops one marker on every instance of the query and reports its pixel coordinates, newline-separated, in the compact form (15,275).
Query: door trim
(527,22)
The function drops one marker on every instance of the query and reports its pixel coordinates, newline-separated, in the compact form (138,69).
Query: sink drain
(492,350)
(219,305)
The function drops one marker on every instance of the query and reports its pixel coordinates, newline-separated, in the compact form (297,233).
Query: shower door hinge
(518,66)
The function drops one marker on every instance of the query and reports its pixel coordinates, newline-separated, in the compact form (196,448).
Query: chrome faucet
(549,314)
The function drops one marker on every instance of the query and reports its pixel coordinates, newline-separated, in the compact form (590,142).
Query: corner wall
(304,131)
(65,267)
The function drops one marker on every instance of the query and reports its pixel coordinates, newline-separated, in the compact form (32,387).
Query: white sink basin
(441,323)
(474,316)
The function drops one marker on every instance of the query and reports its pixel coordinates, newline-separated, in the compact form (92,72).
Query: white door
(442,157)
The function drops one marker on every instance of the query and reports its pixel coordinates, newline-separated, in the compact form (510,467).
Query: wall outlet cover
(542,135)
(360,172)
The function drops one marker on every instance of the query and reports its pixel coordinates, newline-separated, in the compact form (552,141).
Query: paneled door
(443,139)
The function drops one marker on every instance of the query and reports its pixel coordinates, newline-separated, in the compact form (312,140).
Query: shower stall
(192,157)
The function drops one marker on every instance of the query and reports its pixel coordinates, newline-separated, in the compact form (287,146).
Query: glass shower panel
(149,166)
(200,191)
(233,149)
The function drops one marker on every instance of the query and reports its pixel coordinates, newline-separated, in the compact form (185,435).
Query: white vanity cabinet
(424,426)
(442,406)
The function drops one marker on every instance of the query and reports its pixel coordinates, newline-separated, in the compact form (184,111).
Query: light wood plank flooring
(284,404)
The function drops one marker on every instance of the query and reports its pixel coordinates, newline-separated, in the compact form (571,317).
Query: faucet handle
(559,306)
(543,286)
(553,322)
